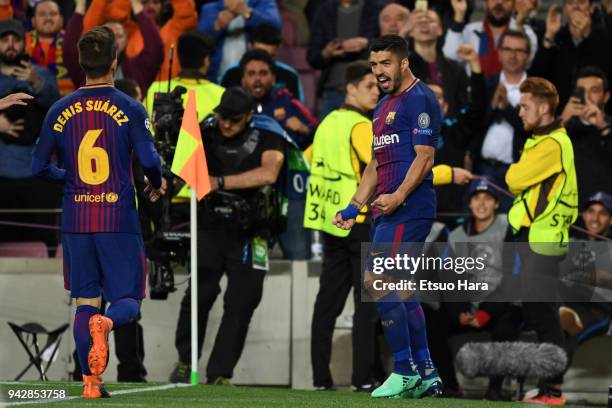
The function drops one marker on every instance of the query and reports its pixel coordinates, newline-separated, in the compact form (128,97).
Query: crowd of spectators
(474,55)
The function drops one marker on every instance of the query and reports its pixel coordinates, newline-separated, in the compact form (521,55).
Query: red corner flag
(189,162)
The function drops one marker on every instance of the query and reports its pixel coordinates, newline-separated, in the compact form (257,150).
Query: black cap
(602,198)
(234,102)
(12,26)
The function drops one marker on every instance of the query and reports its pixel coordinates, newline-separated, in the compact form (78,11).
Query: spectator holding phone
(21,124)
(19,128)
(566,49)
(589,128)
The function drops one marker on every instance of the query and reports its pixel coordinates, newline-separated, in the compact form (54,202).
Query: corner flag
(189,162)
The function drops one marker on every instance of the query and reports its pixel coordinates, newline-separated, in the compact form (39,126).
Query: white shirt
(497,143)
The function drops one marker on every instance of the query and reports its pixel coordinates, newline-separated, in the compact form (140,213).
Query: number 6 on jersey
(93,161)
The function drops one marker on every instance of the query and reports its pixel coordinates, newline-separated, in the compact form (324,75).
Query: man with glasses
(484,35)
(244,153)
(504,135)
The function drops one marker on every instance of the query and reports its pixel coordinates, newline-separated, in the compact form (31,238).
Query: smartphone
(22,58)
(579,93)
(421,5)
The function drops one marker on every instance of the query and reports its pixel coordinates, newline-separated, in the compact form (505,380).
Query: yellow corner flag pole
(189,163)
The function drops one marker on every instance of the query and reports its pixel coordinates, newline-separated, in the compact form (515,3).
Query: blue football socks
(418,338)
(395,324)
(122,311)
(80,331)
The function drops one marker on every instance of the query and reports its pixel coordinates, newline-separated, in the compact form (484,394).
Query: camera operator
(19,129)
(244,154)
(194,50)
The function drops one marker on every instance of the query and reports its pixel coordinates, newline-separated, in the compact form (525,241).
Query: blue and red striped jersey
(95,131)
(401,122)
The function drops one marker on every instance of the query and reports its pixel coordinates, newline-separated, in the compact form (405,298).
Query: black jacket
(592,158)
(560,64)
(454,80)
(457,134)
(323,29)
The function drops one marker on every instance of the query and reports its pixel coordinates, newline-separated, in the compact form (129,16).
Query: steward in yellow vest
(545,206)
(545,188)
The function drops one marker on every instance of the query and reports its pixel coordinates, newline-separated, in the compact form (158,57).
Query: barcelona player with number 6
(94,131)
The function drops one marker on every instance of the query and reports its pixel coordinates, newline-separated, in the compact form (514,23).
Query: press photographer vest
(332,181)
(488,244)
(549,216)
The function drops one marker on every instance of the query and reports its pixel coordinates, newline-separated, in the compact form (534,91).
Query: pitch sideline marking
(118,392)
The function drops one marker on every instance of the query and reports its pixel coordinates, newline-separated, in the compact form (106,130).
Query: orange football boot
(99,328)
(547,399)
(93,387)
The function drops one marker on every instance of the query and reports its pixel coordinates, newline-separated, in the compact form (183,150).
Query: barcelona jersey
(400,123)
(94,132)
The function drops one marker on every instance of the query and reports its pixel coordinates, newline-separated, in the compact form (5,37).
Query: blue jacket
(281,105)
(263,11)
(286,77)
(16,159)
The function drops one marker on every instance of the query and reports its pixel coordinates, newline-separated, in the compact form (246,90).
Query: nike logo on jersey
(384,140)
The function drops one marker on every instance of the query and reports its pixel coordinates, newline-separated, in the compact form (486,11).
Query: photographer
(588,127)
(244,153)
(19,128)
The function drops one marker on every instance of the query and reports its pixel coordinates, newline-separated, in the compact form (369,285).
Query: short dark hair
(127,86)
(193,47)
(46,1)
(97,51)
(592,71)
(392,43)
(266,34)
(256,55)
(516,34)
(356,71)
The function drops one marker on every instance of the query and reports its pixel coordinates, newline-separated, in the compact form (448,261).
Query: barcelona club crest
(390,118)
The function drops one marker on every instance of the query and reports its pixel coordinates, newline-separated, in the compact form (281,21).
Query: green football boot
(430,386)
(397,386)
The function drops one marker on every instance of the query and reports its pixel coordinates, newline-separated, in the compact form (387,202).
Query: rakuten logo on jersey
(385,140)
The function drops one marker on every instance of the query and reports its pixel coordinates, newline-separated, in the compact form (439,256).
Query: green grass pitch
(226,396)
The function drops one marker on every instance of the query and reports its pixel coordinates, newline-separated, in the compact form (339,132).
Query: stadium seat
(24,249)
(59,252)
